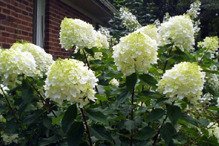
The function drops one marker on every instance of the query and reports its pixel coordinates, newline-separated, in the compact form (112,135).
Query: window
(39,22)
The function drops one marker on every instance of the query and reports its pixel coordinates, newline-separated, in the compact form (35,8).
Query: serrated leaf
(100,132)
(189,119)
(123,97)
(32,118)
(131,81)
(47,141)
(150,80)
(69,117)
(129,125)
(57,120)
(96,116)
(174,113)
(155,114)
(90,51)
(145,133)
(75,134)
(167,132)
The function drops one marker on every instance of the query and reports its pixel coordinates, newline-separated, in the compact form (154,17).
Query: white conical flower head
(70,80)
(179,31)
(135,53)
(43,59)
(183,80)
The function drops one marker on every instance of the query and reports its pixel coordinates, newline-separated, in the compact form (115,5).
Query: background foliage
(147,11)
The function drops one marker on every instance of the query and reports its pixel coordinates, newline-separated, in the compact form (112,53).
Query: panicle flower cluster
(3,89)
(105,32)
(206,98)
(128,19)
(194,10)
(179,31)
(150,30)
(135,53)
(166,17)
(97,56)
(14,62)
(184,80)
(75,32)
(2,119)
(114,82)
(218,102)
(43,59)
(70,80)
(9,138)
(213,130)
(101,40)
(213,81)
(210,43)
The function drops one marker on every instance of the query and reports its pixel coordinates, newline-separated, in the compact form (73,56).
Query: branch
(86,126)
(132,113)
(41,97)
(158,132)
(9,105)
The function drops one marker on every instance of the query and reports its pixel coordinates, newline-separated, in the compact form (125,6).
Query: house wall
(55,12)
(16,21)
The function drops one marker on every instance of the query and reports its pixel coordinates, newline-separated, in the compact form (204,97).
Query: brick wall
(55,12)
(16,21)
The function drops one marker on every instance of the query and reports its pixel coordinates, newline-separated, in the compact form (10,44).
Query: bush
(154,87)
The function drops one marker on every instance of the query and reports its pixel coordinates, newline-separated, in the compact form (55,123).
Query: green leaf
(100,133)
(189,119)
(167,132)
(174,113)
(69,117)
(150,80)
(57,120)
(32,118)
(211,71)
(97,116)
(155,114)
(90,51)
(47,141)
(131,81)
(123,97)
(75,134)
(129,125)
(145,133)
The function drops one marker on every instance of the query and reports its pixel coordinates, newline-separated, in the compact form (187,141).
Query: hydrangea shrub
(153,87)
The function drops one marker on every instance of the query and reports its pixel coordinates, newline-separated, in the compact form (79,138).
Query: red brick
(16,21)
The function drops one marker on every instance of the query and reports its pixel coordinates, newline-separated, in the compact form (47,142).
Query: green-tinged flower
(75,32)
(14,63)
(9,138)
(3,89)
(43,59)
(135,53)
(2,119)
(70,80)
(210,43)
(97,56)
(101,40)
(184,80)
(194,10)
(179,31)
(128,19)
(106,32)
(114,82)
(151,31)
(213,130)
